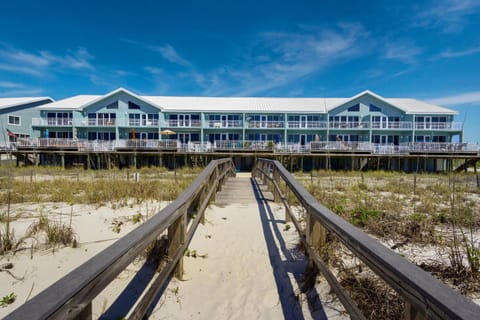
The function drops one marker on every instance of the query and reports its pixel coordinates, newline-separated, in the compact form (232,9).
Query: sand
(246,265)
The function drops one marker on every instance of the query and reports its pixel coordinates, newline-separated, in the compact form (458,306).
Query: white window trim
(14,124)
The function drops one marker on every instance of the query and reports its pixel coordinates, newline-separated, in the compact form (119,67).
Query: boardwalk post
(86,313)
(287,201)
(315,234)
(177,234)
(410,313)
(276,179)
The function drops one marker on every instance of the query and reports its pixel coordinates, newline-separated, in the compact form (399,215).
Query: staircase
(236,190)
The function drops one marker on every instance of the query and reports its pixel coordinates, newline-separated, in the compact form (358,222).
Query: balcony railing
(348,125)
(183,123)
(248,145)
(307,124)
(52,122)
(224,123)
(101,122)
(142,122)
(266,124)
(438,125)
(392,125)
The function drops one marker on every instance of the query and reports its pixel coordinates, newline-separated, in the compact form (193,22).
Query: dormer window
(113,105)
(133,105)
(355,108)
(374,108)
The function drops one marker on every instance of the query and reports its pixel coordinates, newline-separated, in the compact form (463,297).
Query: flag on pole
(10,133)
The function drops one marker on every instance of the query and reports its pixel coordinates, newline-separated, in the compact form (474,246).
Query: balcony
(266,124)
(348,125)
(182,123)
(392,125)
(224,124)
(307,124)
(439,125)
(52,122)
(142,123)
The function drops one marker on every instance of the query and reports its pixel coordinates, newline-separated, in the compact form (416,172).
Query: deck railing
(249,145)
(425,296)
(71,297)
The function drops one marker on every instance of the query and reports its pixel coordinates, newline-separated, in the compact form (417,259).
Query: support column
(177,234)
(276,192)
(316,234)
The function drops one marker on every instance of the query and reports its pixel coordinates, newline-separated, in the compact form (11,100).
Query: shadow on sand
(282,268)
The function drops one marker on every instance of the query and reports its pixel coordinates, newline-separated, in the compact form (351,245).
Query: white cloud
(403,51)
(454,54)
(170,54)
(275,59)
(21,92)
(458,99)
(10,85)
(167,52)
(44,62)
(447,15)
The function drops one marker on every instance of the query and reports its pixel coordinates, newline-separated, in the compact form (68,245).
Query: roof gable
(117,91)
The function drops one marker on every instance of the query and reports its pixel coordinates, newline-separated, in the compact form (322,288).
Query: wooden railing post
(276,179)
(410,313)
(86,313)
(177,234)
(265,170)
(315,233)
(287,201)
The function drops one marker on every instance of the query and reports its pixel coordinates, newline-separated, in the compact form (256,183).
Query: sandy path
(251,269)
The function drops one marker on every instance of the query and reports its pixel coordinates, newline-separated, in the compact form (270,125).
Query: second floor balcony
(266,124)
(307,124)
(192,123)
(224,123)
(52,122)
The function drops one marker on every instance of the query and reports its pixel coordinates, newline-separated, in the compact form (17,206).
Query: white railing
(183,123)
(307,124)
(439,125)
(224,123)
(340,146)
(52,122)
(348,125)
(392,125)
(248,145)
(265,124)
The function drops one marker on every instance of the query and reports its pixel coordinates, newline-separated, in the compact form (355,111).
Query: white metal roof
(13,102)
(72,103)
(249,104)
(244,104)
(418,107)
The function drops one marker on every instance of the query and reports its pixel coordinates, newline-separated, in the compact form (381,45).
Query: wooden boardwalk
(252,269)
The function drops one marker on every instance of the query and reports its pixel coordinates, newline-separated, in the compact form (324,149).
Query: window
(15,120)
(374,108)
(132,105)
(355,108)
(114,105)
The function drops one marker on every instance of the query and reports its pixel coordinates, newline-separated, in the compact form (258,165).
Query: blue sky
(429,50)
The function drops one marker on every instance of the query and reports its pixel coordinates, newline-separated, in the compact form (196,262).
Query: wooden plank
(177,233)
(425,293)
(67,297)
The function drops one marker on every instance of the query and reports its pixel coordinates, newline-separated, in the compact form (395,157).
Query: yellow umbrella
(167,132)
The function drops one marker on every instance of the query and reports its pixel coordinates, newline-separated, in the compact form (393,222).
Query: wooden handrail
(71,296)
(424,293)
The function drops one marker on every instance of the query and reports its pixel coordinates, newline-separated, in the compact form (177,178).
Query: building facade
(16,118)
(365,122)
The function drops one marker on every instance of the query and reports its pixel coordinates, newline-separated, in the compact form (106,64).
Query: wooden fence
(71,297)
(425,296)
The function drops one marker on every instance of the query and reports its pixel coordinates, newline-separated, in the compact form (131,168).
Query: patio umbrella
(167,132)
(133,133)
